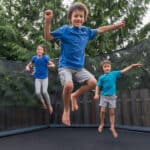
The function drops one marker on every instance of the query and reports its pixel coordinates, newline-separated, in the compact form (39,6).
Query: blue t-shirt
(41,66)
(107,83)
(73,43)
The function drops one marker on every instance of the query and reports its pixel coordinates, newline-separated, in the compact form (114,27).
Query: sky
(146,18)
(67,2)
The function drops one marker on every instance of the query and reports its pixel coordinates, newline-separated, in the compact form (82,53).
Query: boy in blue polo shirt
(107,86)
(74,38)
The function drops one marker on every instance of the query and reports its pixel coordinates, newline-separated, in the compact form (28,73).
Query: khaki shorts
(108,101)
(68,75)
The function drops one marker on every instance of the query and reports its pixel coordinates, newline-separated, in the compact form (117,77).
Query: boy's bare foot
(114,132)
(66,118)
(74,104)
(100,128)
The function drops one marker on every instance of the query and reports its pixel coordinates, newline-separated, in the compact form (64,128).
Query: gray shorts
(108,101)
(68,75)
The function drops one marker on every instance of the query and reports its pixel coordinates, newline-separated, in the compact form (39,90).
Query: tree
(21,27)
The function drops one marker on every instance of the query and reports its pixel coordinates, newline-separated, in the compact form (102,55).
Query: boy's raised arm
(130,67)
(111,27)
(48,15)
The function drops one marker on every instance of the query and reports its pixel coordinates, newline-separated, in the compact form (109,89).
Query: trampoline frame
(41,127)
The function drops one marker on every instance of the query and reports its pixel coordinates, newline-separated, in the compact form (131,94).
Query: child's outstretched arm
(51,64)
(111,27)
(130,67)
(48,16)
(96,96)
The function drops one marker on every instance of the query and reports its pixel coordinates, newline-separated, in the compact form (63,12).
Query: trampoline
(76,138)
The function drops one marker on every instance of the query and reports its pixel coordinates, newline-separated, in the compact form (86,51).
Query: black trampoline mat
(76,139)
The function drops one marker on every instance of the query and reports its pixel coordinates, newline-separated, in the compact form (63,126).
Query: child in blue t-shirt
(41,63)
(74,38)
(107,86)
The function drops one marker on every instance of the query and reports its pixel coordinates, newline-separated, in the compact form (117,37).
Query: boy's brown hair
(106,61)
(77,6)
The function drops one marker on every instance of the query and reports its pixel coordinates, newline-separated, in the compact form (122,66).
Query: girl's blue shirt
(41,66)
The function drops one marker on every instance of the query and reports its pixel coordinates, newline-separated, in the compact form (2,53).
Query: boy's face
(106,68)
(77,18)
(40,51)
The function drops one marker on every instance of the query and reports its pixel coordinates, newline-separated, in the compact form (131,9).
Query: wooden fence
(14,117)
(133,109)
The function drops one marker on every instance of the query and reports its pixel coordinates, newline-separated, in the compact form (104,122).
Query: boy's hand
(136,65)
(48,15)
(120,24)
(96,97)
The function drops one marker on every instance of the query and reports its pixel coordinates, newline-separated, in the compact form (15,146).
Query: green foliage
(16,88)
(21,25)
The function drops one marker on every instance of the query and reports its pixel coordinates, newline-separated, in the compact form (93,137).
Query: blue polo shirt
(41,68)
(73,43)
(107,83)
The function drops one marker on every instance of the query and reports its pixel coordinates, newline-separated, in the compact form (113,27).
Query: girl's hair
(77,6)
(106,61)
(44,48)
